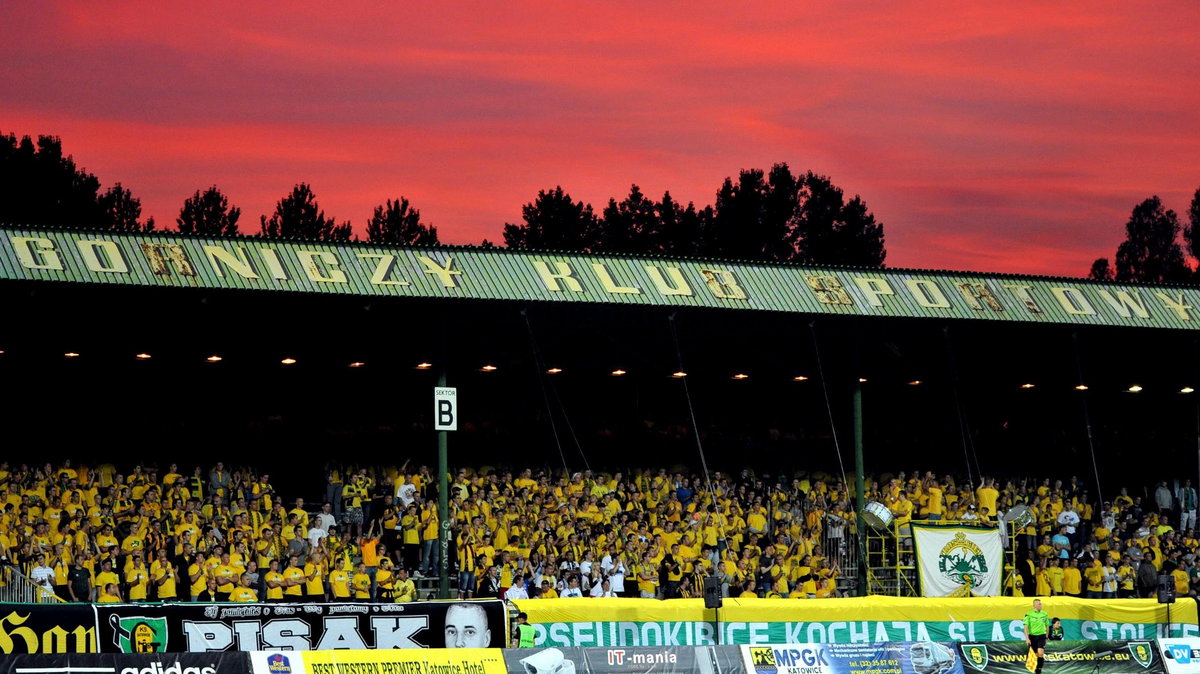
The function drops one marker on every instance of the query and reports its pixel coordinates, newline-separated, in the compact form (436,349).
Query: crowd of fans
(97,534)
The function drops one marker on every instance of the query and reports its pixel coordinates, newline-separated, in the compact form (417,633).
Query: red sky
(1011,137)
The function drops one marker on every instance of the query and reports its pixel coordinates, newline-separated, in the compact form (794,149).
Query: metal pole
(860,489)
(443,506)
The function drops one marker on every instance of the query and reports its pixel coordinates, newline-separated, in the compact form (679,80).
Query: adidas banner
(101,663)
(959,561)
(1064,657)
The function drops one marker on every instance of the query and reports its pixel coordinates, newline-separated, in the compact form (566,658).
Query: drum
(1020,516)
(877,515)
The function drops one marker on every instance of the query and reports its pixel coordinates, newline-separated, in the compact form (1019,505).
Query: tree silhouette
(1151,252)
(1191,233)
(681,229)
(208,213)
(631,226)
(828,230)
(399,222)
(41,186)
(121,211)
(297,216)
(1101,270)
(751,217)
(554,221)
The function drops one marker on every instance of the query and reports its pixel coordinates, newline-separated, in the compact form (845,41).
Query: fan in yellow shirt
(138,580)
(1094,575)
(405,589)
(274,583)
(109,595)
(339,584)
(361,583)
(243,593)
(1072,580)
(293,581)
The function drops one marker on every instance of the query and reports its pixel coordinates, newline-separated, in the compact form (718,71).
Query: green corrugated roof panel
(171,260)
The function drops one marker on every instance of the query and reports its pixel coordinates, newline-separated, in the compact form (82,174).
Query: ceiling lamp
(288,361)
(618,372)
(678,375)
(915,382)
(1185,389)
(214,358)
(489,368)
(357,363)
(143,356)
(424,365)
(1027,385)
(741,375)
(71,354)
(800,378)
(1081,387)
(554,370)
(1134,389)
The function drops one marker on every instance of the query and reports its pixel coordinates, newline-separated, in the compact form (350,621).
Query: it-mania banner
(922,657)
(1065,657)
(630,660)
(685,622)
(959,561)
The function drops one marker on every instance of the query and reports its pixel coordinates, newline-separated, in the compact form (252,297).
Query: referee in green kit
(1036,625)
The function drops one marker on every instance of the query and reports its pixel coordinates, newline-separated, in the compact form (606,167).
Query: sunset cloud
(1010,137)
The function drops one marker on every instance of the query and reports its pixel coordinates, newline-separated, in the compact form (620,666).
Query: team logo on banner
(962,562)
(1141,652)
(763,658)
(139,634)
(959,561)
(976,656)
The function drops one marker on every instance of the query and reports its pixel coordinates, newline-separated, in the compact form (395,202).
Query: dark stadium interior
(291,419)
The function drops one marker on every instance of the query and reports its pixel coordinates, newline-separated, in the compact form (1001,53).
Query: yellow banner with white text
(649,622)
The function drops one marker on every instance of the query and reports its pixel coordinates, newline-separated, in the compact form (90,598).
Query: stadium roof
(171,260)
(109,297)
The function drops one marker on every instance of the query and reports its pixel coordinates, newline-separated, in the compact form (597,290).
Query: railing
(892,566)
(19,589)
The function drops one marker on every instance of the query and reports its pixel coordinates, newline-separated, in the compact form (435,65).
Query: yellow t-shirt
(1095,578)
(1182,586)
(167,589)
(138,580)
(362,586)
(314,584)
(243,595)
(274,592)
(339,583)
(1055,575)
(296,575)
(934,503)
(1072,580)
(227,575)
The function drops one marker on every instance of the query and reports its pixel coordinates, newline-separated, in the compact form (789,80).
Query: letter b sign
(445,409)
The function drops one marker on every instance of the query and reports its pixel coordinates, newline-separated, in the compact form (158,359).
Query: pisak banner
(959,561)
